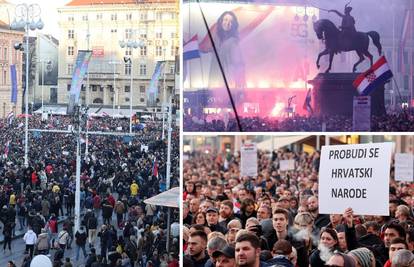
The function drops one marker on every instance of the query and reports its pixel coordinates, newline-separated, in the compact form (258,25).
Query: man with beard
(321,220)
(226,213)
(248,251)
(264,212)
(212,221)
(197,245)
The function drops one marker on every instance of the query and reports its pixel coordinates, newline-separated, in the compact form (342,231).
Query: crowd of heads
(117,174)
(273,219)
(400,122)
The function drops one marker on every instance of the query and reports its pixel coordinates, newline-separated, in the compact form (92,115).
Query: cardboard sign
(248,165)
(144,148)
(355,176)
(361,116)
(287,165)
(404,167)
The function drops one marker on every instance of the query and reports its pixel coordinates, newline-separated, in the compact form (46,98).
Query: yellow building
(100,26)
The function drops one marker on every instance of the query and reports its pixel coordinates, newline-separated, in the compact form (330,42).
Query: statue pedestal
(333,94)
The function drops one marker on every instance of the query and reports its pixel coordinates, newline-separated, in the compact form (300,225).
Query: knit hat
(364,256)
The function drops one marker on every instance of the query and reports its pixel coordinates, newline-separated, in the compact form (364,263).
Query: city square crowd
(117,175)
(273,219)
(400,122)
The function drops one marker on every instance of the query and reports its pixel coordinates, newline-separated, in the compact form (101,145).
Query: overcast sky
(49,13)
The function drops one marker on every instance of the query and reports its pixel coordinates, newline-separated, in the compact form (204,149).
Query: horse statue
(337,42)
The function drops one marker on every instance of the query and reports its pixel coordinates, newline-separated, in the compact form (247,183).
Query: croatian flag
(376,76)
(155,168)
(10,117)
(191,49)
(307,104)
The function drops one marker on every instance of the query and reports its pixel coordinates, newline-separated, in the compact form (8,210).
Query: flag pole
(221,69)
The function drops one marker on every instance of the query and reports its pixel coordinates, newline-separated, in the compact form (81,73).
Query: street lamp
(26,14)
(132,45)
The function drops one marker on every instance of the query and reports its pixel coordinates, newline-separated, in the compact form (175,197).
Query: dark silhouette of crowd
(399,122)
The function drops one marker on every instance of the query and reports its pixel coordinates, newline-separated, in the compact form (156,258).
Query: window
(71,18)
(100,88)
(172,68)
(70,69)
(142,100)
(172,50)
(6,55)
(158,51)
(128,51)
(71,34)
(143,16)
(173,35)
(143,35)
(143,50)
(142,89)
(94,88)
(142,69)
(113,30)
(127,88)
(126,99)
(127,69)
(128,33)
(99,16)
(85,17)
(4,76)
(83,88)
(129,16)
(158,35)
(111,88)
(113,16)
(68,87)
(71,50)
(158,16)
(173,15)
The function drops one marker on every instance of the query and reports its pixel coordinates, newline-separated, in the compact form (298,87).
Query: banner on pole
(152,92)
(13,83)
(355,176)
(404,167)
(361,117)
(81,66)
(248,165)
(287,165)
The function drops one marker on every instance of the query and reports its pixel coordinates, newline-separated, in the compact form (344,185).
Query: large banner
(48,60)
(152,92)
(263,46)
(355,176)
(248,161)
(81,66)
(14,84)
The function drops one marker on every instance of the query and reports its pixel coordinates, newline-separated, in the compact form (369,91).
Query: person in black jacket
(212,217)
(91,258)
(80,237)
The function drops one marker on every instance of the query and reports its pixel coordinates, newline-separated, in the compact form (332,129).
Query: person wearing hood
(281,252)
(80,237)
(30,239)
(42,243)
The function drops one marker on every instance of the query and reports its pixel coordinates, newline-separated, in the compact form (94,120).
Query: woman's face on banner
(227,22)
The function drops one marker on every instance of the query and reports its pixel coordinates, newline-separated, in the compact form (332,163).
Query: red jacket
(34,178)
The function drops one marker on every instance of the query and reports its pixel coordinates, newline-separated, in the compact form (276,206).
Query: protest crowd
(273,219)
(117,175)
(401,122)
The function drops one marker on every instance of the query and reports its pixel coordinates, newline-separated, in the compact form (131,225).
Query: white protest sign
(404,167)
(355,176)
(144,148)
(361,116)
(248,165)
(287,164)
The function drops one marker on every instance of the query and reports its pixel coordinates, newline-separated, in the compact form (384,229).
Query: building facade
(100,26)
(9,56)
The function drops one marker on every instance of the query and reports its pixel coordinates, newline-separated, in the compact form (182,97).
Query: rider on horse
(348,22)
